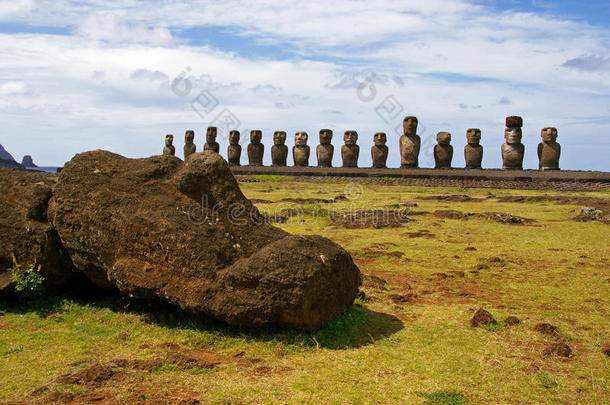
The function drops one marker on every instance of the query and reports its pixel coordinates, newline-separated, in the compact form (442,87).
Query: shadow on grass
(357,327)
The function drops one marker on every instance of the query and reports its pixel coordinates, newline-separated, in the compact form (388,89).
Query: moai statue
(513,150)
(549,150)
(410,143)
(210,140)
(279,150)
(234,149)
(189,146)
(169,149)
(473,151)
(379,151)
(300,151)
(443,151)
(325,151)
(256,149)
(350,151)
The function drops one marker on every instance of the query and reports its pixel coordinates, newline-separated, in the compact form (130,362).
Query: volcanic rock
(27,161)
(158,228)
(482,318)
(25,232)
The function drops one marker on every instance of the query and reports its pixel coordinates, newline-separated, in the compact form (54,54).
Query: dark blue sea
(48,169)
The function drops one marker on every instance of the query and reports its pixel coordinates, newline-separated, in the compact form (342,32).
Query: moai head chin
(443,138)
(512,135)
(189,137)
(409,125)
(326,136)
(380,139)
(234,137)
(549,134)
(256,136)
(279,138)
(350,138)
(300,138)
(473,136)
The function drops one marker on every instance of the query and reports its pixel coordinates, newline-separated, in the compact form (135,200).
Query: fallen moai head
(158,228)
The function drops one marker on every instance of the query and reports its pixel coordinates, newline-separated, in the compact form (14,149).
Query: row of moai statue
(512,150)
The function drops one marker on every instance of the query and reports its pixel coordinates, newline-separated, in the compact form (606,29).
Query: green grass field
(406,340)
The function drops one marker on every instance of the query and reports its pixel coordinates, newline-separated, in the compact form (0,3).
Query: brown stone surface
(169,148)
(512,150)
(549,150)
(410,143)
(234,149)
(379,150)
(443,151)
(514,121)
(279,150)
(300,150)
(189,145)
(256,149)
(350,151)
(210,140)
(184,233)
(325,151)
(512,321)
(558,349)
(473,151)
(25,231)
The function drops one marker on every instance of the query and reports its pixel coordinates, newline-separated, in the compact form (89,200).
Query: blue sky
(119,75)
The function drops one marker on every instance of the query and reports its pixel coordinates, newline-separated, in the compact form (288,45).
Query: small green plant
(28,280)
(444,398)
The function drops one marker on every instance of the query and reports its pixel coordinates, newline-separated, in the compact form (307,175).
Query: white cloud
(454,65)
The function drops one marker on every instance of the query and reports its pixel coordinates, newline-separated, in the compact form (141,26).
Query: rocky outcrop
(158,228)
(26,233)
(7,160)
(27,161)
(4,155)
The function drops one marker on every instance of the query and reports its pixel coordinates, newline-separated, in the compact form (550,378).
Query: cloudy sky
(120,74)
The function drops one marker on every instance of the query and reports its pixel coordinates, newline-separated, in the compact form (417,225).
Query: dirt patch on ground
(597,202)
(512,321)
(500,217)
(451,198)
(90,375)
(368,219)
(547,329)
(423,233)
(558,349)
(370,281)
(482,318)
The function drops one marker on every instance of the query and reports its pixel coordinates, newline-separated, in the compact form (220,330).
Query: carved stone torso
(473,154)
(300,155)
(169,150)
(189,150)
(349,154)
(548,155)
(211,146)
(234,155)
(443,154)
(409,150)
(255,154)
(379,155)
(324,153)
(512,156)
(279,153)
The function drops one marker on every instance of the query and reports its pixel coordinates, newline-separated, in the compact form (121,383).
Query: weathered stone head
(234,137)
(513,135)
(169,140)
(279,138)
(189,137)
(409,125)
(256,136)
(380,139)
(443,138)
(326,136)
(549,134)
(473,136)
(169,149)
(350,138)
(300,138)
(210,135)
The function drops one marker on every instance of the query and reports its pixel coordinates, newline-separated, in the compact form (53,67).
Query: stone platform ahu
(183,232)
